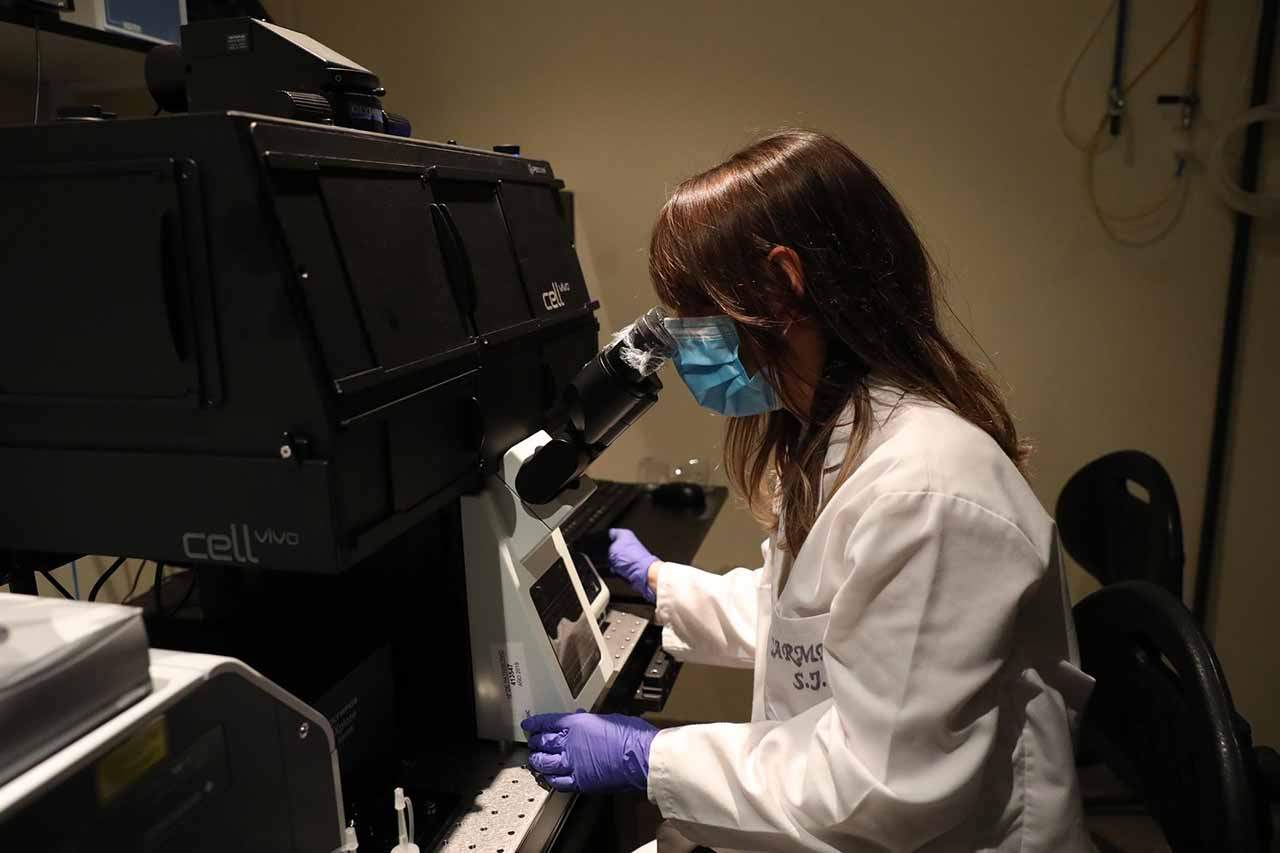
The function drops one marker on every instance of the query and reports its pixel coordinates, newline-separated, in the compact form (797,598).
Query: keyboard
(586,531)
(600,511)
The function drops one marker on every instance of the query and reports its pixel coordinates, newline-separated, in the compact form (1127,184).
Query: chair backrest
(1118,518)
(1161,718)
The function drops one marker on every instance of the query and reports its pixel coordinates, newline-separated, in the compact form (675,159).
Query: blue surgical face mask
(707,358)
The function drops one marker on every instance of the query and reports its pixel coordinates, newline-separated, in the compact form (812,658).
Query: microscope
(351,381)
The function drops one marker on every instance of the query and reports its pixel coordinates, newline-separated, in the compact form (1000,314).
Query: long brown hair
(869,286)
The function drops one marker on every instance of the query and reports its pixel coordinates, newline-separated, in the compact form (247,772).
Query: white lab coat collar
(886,400)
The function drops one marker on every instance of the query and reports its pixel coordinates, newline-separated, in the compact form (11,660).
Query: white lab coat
(915,679)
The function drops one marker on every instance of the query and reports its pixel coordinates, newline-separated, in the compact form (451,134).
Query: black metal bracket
(1233,321)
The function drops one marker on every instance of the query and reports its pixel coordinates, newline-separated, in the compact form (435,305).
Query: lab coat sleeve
(709,618)
(914,653)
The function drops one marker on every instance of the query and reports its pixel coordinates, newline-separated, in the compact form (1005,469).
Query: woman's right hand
(634,563)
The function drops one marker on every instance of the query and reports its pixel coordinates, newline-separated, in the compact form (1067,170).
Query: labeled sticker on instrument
(129,761)
(512,670)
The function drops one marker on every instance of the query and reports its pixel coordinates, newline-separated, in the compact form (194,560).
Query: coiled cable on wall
(1261,205)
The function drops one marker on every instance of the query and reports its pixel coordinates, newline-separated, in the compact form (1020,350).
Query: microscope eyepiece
(645,345)
(605,393)
(609,394)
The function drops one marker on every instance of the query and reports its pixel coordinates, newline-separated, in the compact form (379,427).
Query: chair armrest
(1269,771)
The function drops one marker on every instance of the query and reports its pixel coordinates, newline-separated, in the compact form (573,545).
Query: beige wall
(1100,346)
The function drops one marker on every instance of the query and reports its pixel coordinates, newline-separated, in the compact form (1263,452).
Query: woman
(909,628)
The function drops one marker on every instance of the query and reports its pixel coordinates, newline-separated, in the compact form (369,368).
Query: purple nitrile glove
(590,753)
(630,560)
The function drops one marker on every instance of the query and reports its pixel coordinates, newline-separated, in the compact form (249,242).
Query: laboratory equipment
(308,340)
(158,21)
(64,668)
(193,753)
(248,64)
(526,597)
(313,364)
(524,589)
(608,394)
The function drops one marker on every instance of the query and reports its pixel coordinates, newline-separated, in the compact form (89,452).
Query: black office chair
(1162,720)
(1118,518)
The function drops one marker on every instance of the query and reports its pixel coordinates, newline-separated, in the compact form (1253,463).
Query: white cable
(403,804)
(1260,205)
(39,72)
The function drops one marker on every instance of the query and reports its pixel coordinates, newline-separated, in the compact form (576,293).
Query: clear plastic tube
(409,808)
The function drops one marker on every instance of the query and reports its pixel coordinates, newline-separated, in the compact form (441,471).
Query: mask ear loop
(771,376)
(801,298)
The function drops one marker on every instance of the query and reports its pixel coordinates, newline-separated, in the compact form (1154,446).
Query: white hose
(412,829)
(1261,205)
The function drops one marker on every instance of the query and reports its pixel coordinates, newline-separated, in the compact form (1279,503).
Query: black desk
(672,533)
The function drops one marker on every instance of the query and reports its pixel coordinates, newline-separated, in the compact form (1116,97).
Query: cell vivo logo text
(554,298)
(236,545)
